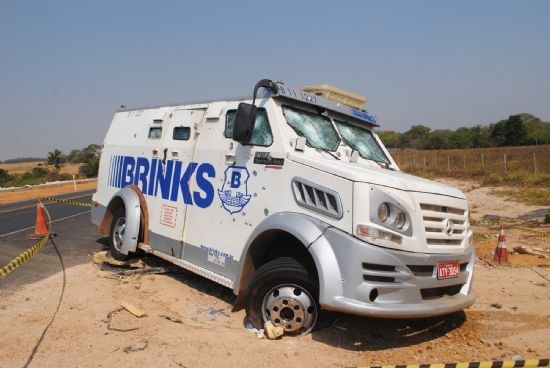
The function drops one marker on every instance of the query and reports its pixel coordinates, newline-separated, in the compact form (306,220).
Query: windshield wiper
(329,152)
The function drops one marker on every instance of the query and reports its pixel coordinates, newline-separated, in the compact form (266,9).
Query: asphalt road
(76,239)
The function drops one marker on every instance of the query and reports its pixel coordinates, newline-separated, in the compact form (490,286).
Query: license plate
(448,270)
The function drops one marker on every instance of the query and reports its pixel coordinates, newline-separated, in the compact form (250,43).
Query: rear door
(175,174)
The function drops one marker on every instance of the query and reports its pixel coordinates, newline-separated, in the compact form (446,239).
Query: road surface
(76,239)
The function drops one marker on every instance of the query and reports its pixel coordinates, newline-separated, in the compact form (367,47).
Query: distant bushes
(37,175)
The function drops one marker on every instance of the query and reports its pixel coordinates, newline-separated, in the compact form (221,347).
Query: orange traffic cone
(501,253)
(42,228)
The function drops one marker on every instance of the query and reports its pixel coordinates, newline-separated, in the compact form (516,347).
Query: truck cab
(289,199)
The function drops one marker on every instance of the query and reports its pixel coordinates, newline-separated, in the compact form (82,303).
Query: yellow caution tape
(545,234)
(23,257)
(53,199)
(528,363)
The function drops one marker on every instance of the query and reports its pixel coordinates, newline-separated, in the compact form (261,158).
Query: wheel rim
(291,307)
(118,233)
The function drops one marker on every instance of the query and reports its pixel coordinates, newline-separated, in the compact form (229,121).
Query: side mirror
(246,113)
(244,123)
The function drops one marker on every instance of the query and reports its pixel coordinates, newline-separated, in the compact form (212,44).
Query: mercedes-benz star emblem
(449,227)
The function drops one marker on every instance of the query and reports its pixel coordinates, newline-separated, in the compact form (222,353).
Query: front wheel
(283,292)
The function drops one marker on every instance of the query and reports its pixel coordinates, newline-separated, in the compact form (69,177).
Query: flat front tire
(283,292)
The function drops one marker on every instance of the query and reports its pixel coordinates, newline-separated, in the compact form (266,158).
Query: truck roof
(324,96)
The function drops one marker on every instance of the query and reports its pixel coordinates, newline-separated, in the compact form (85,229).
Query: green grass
(533,195)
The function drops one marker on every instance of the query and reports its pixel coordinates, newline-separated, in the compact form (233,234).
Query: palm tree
(56,158)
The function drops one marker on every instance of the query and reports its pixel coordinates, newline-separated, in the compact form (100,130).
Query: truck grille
(444,226)
(317,198)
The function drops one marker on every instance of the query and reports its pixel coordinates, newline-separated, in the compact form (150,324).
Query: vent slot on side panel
(317,198)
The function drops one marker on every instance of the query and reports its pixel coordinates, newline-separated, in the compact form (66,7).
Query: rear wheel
(283,292)
(117,233)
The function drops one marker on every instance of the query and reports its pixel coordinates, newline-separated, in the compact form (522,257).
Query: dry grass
(505,162)
(47,190)
(23,167)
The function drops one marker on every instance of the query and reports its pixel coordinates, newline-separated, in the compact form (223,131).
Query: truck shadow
(373,334)
(348,332)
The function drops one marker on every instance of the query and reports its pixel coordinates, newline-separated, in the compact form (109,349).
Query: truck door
(174,155)
(247,178)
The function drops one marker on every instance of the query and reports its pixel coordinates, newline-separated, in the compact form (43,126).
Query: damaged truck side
(291,200)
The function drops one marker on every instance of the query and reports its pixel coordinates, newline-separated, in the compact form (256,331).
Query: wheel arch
(137,218)
(282,235)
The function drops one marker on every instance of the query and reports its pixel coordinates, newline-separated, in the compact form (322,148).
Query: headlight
(400,220)
(383,212)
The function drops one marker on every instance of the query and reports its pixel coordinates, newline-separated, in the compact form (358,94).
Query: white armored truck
(289,199)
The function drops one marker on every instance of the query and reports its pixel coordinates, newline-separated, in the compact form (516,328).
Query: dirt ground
(76,319)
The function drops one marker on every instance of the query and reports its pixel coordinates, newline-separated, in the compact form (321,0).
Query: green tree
(90,159)
(56,158)
(535,130)
(479,137)
(414,137)
(509,132)
(390,138)
(438,139)
(4,176)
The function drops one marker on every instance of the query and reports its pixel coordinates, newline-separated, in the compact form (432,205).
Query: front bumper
(382,282)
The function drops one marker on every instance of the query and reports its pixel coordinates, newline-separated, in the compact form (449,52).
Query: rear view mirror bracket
(246,114)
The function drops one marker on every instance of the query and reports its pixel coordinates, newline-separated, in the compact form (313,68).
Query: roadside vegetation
(513,153)
(79,164)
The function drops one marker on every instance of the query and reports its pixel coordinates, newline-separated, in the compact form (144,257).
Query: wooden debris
(273,332)
(133,309)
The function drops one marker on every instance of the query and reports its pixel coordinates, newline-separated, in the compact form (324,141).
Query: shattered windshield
(363,141)
(317,129)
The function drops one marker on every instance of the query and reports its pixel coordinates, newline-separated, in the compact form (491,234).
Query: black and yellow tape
(528,363)
(23,257)
(545,234)
(53,199)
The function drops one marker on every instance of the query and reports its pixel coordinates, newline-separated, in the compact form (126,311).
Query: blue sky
(66,66)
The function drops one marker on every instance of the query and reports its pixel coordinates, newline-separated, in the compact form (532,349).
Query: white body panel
(209,198)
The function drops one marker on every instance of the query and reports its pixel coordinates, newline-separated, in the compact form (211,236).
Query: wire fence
(476,162)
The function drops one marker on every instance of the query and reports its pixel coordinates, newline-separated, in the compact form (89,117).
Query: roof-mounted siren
(246,113)
(337,95)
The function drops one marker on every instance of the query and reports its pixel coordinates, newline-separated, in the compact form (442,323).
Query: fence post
(534,163)
(448,163)
(505,163)
(482,161)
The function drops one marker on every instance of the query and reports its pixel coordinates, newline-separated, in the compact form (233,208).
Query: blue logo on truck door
(234,191)
(170,180)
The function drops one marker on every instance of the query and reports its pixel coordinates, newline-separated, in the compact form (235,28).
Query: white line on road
(32,227)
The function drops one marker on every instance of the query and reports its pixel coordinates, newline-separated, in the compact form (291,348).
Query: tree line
(87,158)
(517,130)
